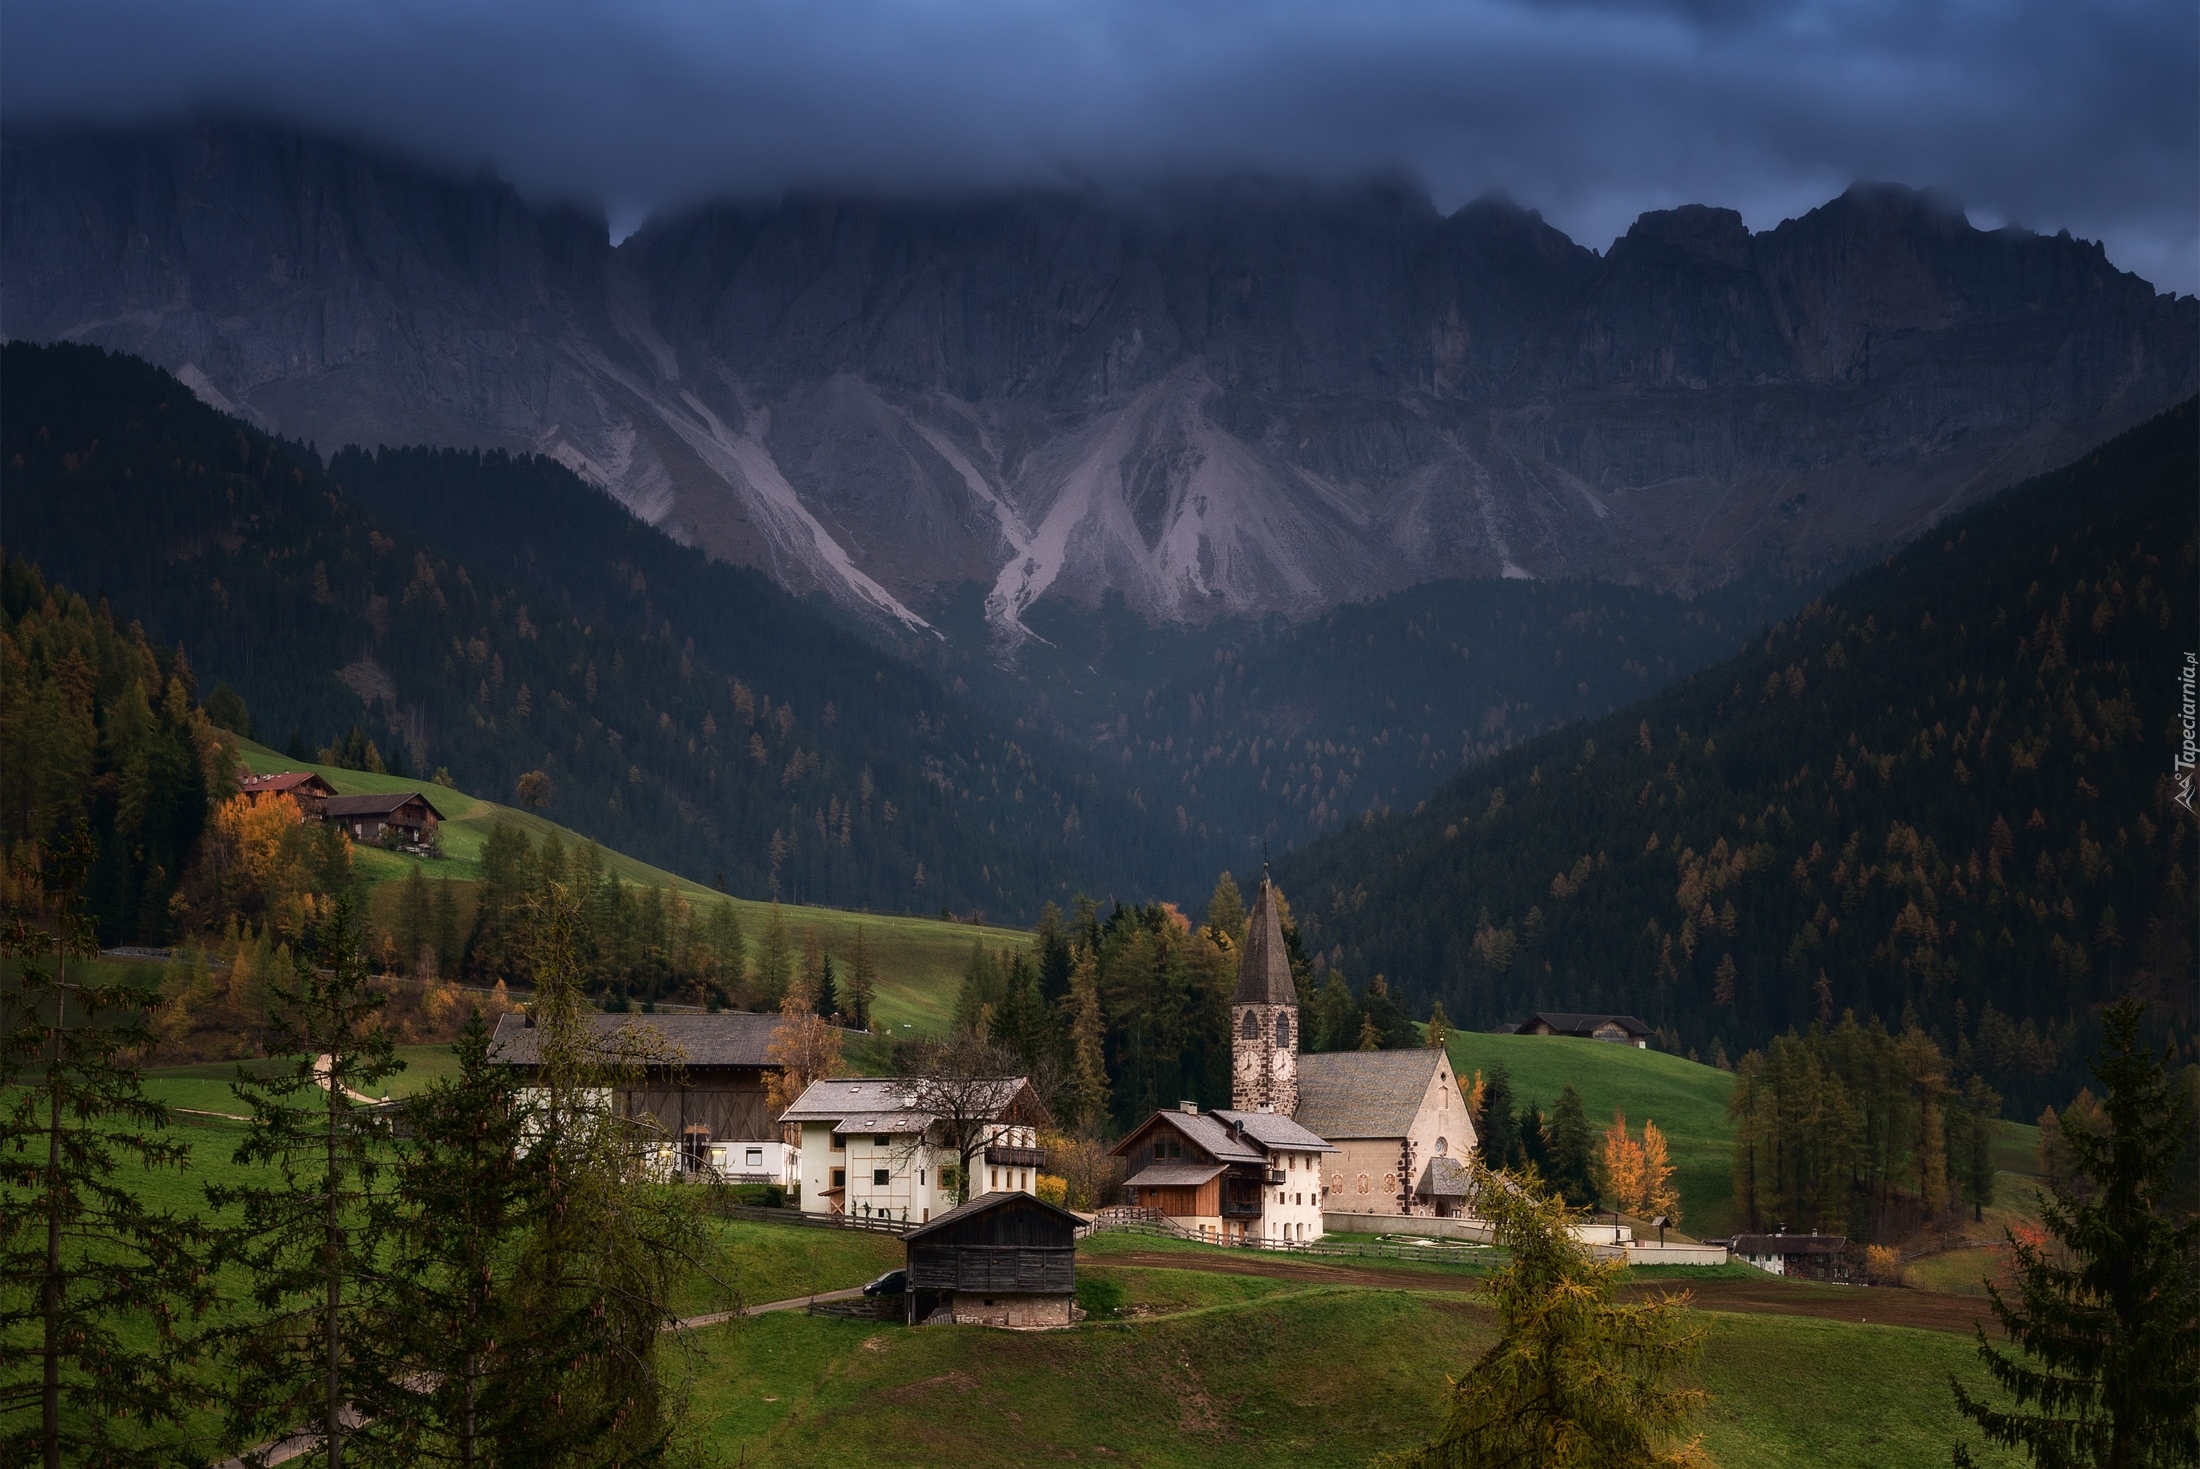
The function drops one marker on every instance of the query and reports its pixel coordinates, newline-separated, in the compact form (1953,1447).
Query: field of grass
(1686,1100)
(920,960)
(1249,1372)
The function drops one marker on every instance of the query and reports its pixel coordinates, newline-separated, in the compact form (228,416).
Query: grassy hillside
(920,960)
(1686,1100)
(1257,1375)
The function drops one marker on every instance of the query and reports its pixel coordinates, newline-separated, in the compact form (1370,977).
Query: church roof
(1345,1094)
(1445,1178)
(1264,969)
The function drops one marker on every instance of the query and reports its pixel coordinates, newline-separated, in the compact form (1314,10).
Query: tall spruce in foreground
(1575,1378)
(307,1361)
(470,1188)
(2106,1324)
(85,1268)
(612,1241)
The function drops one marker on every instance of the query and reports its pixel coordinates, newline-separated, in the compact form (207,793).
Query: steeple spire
(1264,1030)
(1264,969)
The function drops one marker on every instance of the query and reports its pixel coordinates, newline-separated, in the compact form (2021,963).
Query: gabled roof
(1264,969)
(1346,1094)
(862,1105)
(1444,1178)
(1568,1022)
(729,1038)
(283,781)
(1274,1133)
(1207,1130)
(1789,1244)
(376,805)
(986,1203)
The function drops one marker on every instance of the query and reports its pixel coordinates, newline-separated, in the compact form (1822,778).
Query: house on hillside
(1619,1030)
(699,1085)
(870,1149)
(1804,1256)
(410,814)
(1227,1174)
(1384,1114)
(305,789)
(1003,1259)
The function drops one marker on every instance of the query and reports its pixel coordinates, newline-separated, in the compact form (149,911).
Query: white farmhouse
(869,1150)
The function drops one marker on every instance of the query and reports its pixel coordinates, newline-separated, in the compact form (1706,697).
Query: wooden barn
(702,1082)
(411,814)
(304,789)
(1004,1259)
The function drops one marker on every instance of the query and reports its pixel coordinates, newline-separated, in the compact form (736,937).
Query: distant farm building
(1619,1030)
(410,814)
(1804,1256)
(1003,1259)
(699,1084)
(304,788)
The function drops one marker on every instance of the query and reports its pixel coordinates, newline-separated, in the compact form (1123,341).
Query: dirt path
(1769,1297)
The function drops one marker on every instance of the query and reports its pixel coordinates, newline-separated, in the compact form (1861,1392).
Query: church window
(1251,1028)
(1442,1147)
(1283,1032)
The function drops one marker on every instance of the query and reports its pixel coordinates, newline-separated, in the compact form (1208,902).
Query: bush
(1100,1297)
(1052,1190)
(762,1195)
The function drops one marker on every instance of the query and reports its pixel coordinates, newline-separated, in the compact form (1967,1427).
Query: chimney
(1189,1109)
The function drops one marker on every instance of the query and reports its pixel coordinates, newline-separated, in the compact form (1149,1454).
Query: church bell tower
(1264,1017)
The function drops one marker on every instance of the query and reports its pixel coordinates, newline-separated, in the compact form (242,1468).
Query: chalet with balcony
(870,1149)
(409,814)
(1618,1030)
(302,788)
(1227,1175)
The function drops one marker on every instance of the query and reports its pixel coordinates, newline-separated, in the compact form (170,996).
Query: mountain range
(1237,399)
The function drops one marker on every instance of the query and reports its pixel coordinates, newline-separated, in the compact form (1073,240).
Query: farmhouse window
(882,1142)
(839,1142)
(756,1155)
(879,1177)
(993,1176)
(920,1175)
(840,1178)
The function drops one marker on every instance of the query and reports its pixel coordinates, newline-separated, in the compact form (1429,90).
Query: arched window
(1283,1031)
(1251,1028)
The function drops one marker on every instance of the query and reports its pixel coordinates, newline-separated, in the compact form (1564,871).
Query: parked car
(892,1283)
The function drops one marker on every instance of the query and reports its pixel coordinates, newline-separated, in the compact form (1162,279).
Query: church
(1389,1131)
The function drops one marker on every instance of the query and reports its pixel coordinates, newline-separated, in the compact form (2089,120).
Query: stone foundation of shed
(974,1308)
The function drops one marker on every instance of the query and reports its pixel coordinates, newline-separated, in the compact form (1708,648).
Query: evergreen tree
(1497,1127)
(1566,1151)
(1439,1028)
(470,1189)
(1088,1037)
(1972,1147)
(862,981)
(1370,1039)
(1576,1380)
(1226,910)
(610,1245)
(730,950)
(774,961)
(1338,1015)
(1056,958)
(415,922)
(2106,1325)
(828,993)
(308,1239)
(85,1267)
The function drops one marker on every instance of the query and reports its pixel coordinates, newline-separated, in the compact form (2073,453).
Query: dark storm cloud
(2043,112)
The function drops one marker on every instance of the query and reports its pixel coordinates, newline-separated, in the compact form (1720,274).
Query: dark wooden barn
(1005,1259)
(702,1081)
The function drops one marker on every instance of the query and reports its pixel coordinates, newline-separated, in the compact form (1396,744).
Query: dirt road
(1770,1296)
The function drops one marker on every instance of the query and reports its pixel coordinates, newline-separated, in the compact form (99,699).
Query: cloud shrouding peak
(2039,112)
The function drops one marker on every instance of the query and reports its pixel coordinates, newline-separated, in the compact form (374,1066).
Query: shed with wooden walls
(1003,1259)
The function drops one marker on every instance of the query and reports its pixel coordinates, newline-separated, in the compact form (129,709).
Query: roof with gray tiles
(1264,969)
(1275,1133)
(729,1038)
(1352,1094)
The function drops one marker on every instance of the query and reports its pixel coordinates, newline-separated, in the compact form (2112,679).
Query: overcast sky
(2057,114)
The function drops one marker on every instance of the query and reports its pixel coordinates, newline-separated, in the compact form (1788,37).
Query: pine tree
(1974,1149)
(774,961)
(1088,1040)
(2106,1325)
(730,950)
(597,1273)
(862,981)
(828,993)
(470,1189)
(1566,1150)
(84,1265)
(1339,1015)
(1498,1127)
(1575,1378)
(308,1241)
(1371,1039)
(813,971)
(1439,1027)
(1226,910)
(415,923)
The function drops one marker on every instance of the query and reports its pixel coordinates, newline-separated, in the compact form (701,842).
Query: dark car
(892,1283)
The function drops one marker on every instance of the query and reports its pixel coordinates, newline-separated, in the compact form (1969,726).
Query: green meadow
(920,960)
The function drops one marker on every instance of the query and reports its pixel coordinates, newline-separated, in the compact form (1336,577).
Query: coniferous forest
(723,728)
(1943,795)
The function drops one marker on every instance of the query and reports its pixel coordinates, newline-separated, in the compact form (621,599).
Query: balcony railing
(1016,1157)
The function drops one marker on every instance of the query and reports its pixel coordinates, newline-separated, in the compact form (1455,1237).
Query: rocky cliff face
(1243,399)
